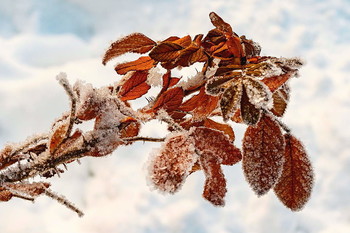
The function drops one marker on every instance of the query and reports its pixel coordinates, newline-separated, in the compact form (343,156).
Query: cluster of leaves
(235,85)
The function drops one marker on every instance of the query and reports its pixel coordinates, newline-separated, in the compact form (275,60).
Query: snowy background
(40,38)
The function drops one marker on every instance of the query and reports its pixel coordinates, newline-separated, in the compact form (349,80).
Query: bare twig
(144,139)
(61,199)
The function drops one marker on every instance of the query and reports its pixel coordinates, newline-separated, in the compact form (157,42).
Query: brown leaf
(133,43)
(280,101)
(170,100)
(249,113)
(216,85)
(276,82)
(135,86)
(168,81)
(263,155)
(165,51)
(143,63)
(201,105)
(230,99)
(220,24)
(215,182)
(216,142)
(258,93)
(59,133)
(129,127)
(295,184)
(251,48)
(225,128)
(235,47)
(171,165)
(5,195)
(184,41)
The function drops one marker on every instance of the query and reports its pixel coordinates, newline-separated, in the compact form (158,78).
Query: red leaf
(215,182)
(277,81)
(213,141)
(135,86)
(201,105)
(263,155)
(5,195)
(129,127)
(143,63)
(133,43)
(225,128)
(169,168)
(184,41)
(295,184)
(168,81)
(170,100)
(165,51)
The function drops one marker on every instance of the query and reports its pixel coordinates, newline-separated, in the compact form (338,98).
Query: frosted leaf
(295,184)
(249,113)
(263,155)
(258,93)
(215,182)
(280,101)
(230,99)
(216,85)
(5,195)
(217,143)
(170,165)
(88,101)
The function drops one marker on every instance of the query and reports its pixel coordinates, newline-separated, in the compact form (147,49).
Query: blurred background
(39,39)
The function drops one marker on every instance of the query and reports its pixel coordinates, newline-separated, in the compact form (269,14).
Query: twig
(61,199)
(62,78)
(144,139)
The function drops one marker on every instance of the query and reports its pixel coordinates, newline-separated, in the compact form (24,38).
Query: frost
(192,81)
(169,166)
(258,93)
(212,70)
(154,77)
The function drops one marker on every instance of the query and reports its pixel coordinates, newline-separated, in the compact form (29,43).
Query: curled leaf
(143,63)
(215,182)
(133,43)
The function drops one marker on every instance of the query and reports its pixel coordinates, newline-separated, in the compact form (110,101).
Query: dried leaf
(31,189)
(276,82)
(170,100)
(225,128)
(171,165)
(209,140)
(231,99)
(143,63)
(295,184)
(235,47)
(135,86)
(280,101)
(133,43)
(251,48)
(168,81)
(263,154)
(165,51)
(184,41)
(258,93)
(201,105)
(5,195)
(220,24)
(215,182)
(249,113)
(129,127)
(216,85)
(58,135)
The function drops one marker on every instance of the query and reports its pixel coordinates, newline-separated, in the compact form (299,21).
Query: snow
(40,39)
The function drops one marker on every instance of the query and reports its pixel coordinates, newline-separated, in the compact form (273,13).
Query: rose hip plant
(235,86)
